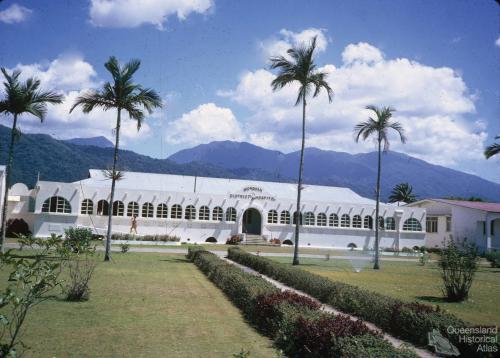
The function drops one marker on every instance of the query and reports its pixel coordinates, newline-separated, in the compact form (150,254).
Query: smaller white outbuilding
(478,222)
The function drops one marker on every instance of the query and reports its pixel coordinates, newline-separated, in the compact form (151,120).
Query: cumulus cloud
(433,103)
(361,53)
(206,123)
(278,45)
(133,13)
(71,75)
(14,13)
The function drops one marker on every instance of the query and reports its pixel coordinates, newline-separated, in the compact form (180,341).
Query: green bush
(78,239)
(124,248)
(494,258)
(369,346)
(160,238)
(406,320)
(458,266)
(295,322)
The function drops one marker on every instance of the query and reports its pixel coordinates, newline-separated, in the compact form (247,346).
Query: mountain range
(40,155)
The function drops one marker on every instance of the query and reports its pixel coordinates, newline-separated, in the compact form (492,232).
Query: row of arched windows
(147,210)
(58,204)
(309,219)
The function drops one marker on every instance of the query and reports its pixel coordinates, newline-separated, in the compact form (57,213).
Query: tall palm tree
(21,98)
(300,68)
(123,95)
(402,193)
(492,149)
(379,127)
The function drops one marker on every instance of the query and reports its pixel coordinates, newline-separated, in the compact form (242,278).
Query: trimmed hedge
(409,321)
(493,257)
(295,322)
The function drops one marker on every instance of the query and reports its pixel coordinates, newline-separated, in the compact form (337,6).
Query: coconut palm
(300,68)
(21,98)
(493,149)
(402,193)
(121,95)
(379,128)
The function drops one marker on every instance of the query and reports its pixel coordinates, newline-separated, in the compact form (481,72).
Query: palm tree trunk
(299,186)
(113,183)
(7,183)
(377,225)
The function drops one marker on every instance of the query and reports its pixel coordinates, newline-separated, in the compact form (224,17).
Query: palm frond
(492,150)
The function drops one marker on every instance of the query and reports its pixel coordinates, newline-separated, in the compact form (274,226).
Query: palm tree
(123,95)
(300,68)
(379,127)
(402,193)
(21,98)
(493,149)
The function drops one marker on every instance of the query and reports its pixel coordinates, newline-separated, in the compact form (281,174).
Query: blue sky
(436,62)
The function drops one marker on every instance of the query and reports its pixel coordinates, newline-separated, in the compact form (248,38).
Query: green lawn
(143,305)
(411,282)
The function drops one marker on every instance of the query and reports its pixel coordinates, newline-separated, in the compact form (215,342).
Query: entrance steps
(256,240)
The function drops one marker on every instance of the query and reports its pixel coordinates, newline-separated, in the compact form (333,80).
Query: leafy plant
(458,266)
(124,248)
(493,257)
(233,240)
(78,239)
(424,258)
(29,284)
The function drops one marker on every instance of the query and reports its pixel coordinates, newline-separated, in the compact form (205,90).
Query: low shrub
(458,266)
(80,271)
(78,239)
(295,322)
(493,257)
(124,248)
(352,246)
(406,320)
(233,240)
(369,346)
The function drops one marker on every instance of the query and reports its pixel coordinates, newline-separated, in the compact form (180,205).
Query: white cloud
(361,53)
(133,13)
(14,14)
(206,123)
(71,76)
(434,104)
(497,42)
(278,45)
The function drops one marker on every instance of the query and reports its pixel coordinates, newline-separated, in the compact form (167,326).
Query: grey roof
(223,186)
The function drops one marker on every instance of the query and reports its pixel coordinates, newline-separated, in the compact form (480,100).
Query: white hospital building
(200,209)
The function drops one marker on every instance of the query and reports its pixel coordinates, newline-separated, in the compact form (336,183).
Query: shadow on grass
(432,299)
(176,259)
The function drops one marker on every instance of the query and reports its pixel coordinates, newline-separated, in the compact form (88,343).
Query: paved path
(396,342)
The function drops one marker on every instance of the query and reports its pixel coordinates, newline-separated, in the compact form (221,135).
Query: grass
(143,305)
(410,282)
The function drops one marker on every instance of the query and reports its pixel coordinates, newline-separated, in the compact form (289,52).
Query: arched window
(133,209)
(412,224)
(381,222)
(103,207)
(217,214)
(231,214)
(176,212)
(368,222)
(285,217)
(310,220)
(345,221)
(321,221)
(333,220)
(356,221)
(204,213)
(87,207)
(295,219)
(147,210)
(118,208)
(162,211)
(272,217)
(390,224)
(56,204)
(190,213)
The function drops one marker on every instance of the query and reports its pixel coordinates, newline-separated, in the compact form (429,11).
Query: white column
(488,233)
(398,214)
